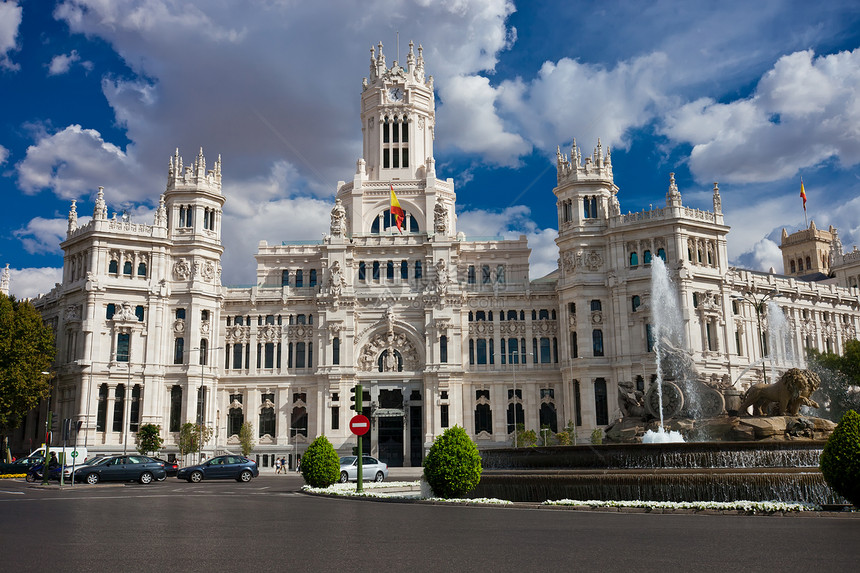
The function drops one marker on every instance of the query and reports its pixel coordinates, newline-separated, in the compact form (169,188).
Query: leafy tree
(840,460)
(597,436)
(192,437)
(453,465)
(320,464)
(148,439)
(840,380)
(26,350)
(246,438)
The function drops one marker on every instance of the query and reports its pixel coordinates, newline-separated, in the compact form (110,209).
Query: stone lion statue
(789,393)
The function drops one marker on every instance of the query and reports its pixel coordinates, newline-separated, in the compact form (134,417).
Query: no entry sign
(359,425)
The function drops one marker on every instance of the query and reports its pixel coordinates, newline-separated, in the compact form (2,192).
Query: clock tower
(397,117)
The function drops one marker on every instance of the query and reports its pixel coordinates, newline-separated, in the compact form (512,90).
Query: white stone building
(440,328)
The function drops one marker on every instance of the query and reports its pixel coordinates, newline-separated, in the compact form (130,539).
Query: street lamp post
(514,405)
(758,303)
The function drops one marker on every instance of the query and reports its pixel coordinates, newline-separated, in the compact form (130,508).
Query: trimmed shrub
(597,436)
(320,464)
(840,460)
(453,466)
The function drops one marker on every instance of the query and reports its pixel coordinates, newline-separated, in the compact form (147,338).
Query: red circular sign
(359,424)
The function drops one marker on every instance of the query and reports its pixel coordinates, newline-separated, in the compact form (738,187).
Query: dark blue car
(121,468)
(230,466)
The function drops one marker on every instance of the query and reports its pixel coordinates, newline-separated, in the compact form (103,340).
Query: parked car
(172,468)
(372,469)
(122,468)
(231,466)
(19,467)
(67,471)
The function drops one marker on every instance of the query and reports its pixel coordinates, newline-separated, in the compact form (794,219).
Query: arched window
(313,278)
(285,277)
(470,275)
(300,355)
(235,416)
(178,350)
(204,351)
(635,302)
(793,267)
(404,270)
(634,260)
(661,252)
(376,270)
(808,264)
(101,411)
(138,312)
(300,278)
(574,347)
(485,274)
(126,268)
(335,350)
(799,264)
(483,419)
(382,361)
(141,269)
(646,257)
(389,270)
(418,269)
(123,346)
(175,408)
(601,404)
(443,349)
(515,410)
(597,341)
(110,311)
(389,223)
(113,267)
(362,271)
(299,421)
(548,417)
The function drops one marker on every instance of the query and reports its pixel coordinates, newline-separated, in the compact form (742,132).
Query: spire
(100,210)
(73,218)
(718,202)
(161,213)
(673,196)
(837,257)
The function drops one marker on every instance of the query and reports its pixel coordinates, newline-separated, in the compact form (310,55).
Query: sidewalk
(394,474)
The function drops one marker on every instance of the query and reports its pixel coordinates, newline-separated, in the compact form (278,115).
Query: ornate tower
(397,117)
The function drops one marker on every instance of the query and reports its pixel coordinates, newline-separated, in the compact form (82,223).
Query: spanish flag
(396,211)
(802,193)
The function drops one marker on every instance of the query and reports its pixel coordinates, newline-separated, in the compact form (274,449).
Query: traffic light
(67,429)
(357,393)
(53,421)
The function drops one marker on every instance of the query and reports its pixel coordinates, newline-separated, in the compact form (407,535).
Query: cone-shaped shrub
(453,466)
(320,464)
(840,460)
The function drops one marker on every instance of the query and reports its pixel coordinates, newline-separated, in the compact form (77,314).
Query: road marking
(12,492)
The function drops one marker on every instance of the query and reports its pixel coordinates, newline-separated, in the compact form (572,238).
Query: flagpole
(803,196)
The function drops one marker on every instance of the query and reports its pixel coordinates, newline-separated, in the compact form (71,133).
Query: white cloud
(804,111)
(470,114)
(31,282)
(4,155)
(62,63)
(10,20)
(75,161)
(42,235)
(274,221)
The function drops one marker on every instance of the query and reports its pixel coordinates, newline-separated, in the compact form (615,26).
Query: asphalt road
(267,525)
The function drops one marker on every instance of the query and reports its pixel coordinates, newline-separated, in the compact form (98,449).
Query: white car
(372,469)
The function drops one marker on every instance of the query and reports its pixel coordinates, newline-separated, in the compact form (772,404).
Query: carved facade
(439,328)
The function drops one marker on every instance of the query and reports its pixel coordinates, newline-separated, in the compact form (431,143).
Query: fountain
(730,458)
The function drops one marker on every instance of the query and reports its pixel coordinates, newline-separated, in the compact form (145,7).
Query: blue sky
(752,95)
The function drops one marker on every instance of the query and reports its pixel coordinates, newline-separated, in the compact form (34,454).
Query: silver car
(372,469)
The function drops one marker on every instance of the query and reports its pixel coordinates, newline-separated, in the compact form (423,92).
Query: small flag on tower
(803,193)
(396,211)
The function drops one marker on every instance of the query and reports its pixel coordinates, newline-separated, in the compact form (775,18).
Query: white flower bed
(348,490)
(742,505)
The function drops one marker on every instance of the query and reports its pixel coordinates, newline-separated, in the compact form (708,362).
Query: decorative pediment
(236,405)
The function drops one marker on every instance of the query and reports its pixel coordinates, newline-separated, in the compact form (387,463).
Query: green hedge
(840,460)
(320,464)
(453,466)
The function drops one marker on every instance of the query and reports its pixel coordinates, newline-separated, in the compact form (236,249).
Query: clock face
(394,94)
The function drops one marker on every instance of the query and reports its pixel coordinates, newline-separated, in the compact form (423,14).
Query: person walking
(284,464)
(277,465)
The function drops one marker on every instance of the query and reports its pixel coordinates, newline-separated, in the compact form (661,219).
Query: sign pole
(359,394)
